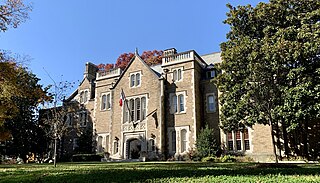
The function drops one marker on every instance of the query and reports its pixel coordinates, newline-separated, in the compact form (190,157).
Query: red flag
(122,98)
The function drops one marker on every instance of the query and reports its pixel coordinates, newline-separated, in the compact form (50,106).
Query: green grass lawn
(160,172)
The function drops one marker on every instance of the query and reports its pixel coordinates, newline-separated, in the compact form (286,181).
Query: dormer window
(135,79)
(211,74)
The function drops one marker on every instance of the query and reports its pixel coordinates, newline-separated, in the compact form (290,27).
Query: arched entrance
(133,148)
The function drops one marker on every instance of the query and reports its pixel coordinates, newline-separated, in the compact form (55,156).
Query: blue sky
(62,35)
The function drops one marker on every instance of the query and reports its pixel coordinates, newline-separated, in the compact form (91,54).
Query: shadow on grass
(149,172)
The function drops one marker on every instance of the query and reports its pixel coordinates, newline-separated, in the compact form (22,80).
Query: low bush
(228,158)
(86,157)
(210,159)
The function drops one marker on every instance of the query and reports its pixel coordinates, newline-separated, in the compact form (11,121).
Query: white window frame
(134,75)
(127,112)
(75,143)
(84,96)
(214,103)
(178,148)
(175,103)
(242,139)
(108,103)
(177,74)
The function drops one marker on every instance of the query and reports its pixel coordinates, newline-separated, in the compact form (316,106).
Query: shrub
(206,143)
(210,159)
(228,158)
(86,157)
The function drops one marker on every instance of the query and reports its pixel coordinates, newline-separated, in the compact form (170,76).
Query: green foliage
(228,158)
(85,141)
(206,143)
(271,65)
(210,159)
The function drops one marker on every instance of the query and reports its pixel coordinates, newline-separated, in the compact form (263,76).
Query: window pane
(238,143)
(238,135)
(179,74)
(137,79)
(174,75)
(174,103)
(103,102)
(183,140)
(143,104)
(173,140)
(85,98)
(132,80)
(230,145)
(131,110)
(126,111)
(108,102)
(211,103)
(181,103)
(230,136)
(247,145)
(81,97)
(137,109)
(246,134)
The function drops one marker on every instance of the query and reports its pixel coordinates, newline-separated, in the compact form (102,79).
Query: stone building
(157,111)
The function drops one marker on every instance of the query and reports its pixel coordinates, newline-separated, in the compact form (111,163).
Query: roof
(212,58)
(157,69)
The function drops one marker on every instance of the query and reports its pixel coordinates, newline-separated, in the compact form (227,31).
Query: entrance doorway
(133,148)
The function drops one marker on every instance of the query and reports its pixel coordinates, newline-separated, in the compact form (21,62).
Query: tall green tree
(271,66)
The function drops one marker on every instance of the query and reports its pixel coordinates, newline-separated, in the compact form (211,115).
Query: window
(211,103)
(83,119)
(174,102)
(152,146)
(246,139)
(177,103)
(173,141)
(181,103)
(135,110)
(211,74)
(99,144)
(143,106)
(177,74)
(115,147)
(135,79)
(85,97)
(131,110)
(103,102)
(81,97)
(107,144)
(230,141)
(69,120)
(183,140)
(132,78)
(240,139)
(108,101)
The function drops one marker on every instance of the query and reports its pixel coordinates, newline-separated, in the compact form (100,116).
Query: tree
(271,66)
(150,57)
(13,13)
(53,120)
(23,132)
(206,143)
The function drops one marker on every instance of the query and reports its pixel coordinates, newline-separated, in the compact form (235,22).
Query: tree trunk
(305,140)
(285,140)
(273,142)
(278,139)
